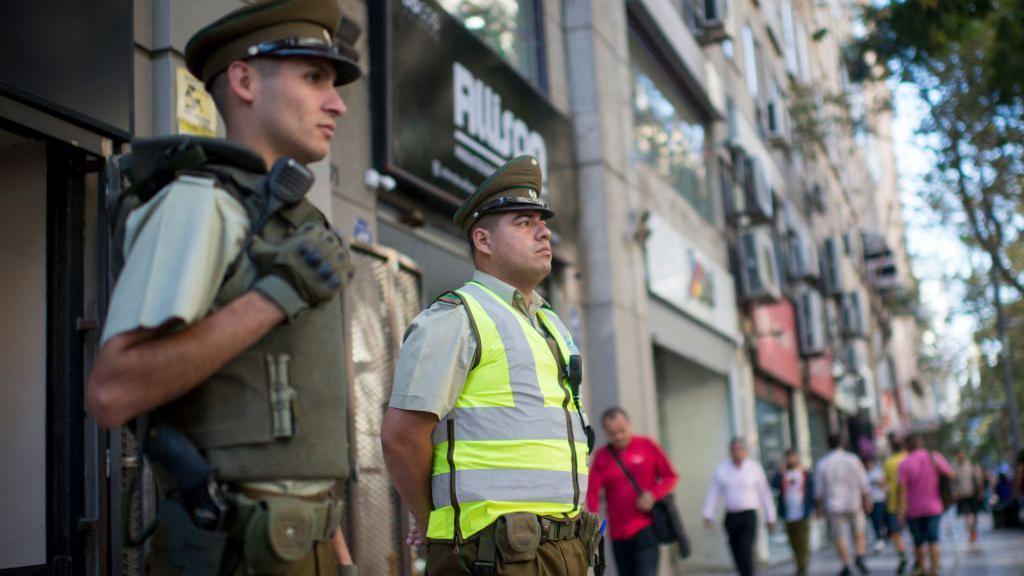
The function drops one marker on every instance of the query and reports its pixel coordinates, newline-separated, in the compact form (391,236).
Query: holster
(590,526)
(191,549)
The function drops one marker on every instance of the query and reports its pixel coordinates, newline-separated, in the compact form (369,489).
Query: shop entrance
(694,417)
(54,481)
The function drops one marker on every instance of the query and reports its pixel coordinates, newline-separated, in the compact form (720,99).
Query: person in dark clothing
(796,502)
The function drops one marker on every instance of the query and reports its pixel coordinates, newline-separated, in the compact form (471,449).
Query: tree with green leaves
(964,59)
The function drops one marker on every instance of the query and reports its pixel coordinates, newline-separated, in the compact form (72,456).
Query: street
(996,553)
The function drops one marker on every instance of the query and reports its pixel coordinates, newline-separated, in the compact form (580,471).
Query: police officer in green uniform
(485,437)
(223,336)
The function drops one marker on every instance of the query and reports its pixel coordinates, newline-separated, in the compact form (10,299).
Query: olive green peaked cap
(272,28)
(513,187)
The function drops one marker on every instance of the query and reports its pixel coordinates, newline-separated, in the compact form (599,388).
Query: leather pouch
(518,537)
(280,532)
(191,549)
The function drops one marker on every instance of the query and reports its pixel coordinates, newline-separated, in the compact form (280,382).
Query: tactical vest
(279,409)
(514,442)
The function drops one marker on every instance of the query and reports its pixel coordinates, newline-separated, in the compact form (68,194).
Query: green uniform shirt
(439,350)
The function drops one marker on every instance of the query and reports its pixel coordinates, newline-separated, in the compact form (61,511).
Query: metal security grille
(381,301)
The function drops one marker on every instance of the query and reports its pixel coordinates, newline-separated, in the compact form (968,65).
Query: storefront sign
(71,58)
(686,278)
(197,114)
(778,353)
(452,110)
(819,376)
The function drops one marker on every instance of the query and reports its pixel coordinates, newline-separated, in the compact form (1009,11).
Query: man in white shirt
(743,488)
(842,490)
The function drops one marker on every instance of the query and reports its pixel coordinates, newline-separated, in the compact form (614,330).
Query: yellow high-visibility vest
(514,442)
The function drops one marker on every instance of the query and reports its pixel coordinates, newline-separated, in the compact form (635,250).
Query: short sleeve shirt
(178,246)
(439,350)
(919,476)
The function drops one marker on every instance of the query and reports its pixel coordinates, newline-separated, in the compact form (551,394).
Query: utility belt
(272,531)
(516,537)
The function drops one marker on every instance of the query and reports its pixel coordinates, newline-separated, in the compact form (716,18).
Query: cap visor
(346,71)
(546,213)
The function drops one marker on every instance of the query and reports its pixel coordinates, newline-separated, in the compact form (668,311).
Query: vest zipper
(457,529)
(568,421)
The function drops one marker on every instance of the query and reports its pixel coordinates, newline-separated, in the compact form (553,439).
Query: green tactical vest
(279,409)
(514,442)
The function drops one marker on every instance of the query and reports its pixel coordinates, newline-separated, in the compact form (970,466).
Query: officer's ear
(243,81)
(480,240)
(480,235)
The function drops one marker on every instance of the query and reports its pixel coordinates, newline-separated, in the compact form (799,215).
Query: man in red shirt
(629,521)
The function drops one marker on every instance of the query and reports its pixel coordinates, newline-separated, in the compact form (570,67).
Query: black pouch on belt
(193,550)
(518,537)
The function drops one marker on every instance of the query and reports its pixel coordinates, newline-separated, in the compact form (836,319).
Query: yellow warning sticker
(196,113)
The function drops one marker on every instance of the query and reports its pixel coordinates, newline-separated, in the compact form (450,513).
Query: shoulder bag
(668,526)
(945,483)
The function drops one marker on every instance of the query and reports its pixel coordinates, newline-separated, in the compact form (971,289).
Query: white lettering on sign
(486,129)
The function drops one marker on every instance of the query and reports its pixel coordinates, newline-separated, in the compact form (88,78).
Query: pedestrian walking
(968,485)
(921,501)
(879,489)
(796,504)
(843,494)
(224,325)
(485,438)
(628,455)
(894,522)
(740,484)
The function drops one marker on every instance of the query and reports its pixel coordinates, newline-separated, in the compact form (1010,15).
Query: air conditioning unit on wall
(832,267)
(714,27)
(810,317)
(749,198)
(817,198)
(758,268)
(803,258)
(853,320)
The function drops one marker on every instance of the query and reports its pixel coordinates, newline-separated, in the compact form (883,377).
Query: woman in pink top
(920,500)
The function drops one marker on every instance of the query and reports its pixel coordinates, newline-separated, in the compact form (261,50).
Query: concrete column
(619,360)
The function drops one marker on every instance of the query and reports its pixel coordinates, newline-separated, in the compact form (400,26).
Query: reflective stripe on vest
(511,450)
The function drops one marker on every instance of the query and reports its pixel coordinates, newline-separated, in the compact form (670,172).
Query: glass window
(668,136)
(750,60)
(508,26)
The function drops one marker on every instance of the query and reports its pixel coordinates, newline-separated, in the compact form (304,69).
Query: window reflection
(508,26)
(668,136)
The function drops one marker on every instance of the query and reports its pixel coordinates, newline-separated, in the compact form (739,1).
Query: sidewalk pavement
(996,553)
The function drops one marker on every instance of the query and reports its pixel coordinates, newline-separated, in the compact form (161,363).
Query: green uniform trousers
(799,541)
(554,558)
(319,562)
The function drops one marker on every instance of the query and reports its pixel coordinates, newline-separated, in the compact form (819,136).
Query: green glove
(308,268)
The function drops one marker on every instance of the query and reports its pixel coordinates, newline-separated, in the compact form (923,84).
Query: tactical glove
(310,267)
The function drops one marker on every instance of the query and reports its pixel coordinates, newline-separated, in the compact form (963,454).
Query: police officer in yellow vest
(223,335)
(485,437)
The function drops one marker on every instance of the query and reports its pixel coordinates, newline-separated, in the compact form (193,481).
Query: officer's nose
(335,105)
(544,233)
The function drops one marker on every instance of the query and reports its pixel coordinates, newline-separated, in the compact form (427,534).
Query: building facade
(728,247)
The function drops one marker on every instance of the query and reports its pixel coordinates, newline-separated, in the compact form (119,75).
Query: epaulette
(451,298)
